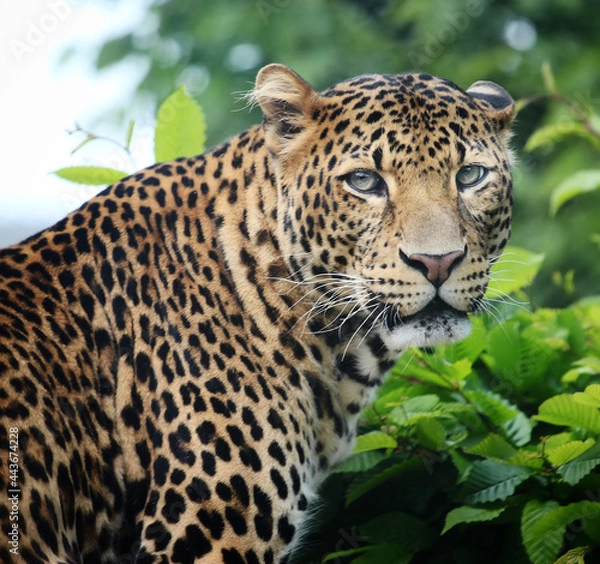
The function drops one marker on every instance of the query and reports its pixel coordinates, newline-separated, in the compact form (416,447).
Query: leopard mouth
(435,311)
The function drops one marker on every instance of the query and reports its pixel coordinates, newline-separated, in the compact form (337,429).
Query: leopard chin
(435,324)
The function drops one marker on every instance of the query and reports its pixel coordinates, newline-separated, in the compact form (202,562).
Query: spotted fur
(186,355)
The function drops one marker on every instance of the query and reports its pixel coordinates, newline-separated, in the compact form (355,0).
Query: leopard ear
(496,102)
(286,100)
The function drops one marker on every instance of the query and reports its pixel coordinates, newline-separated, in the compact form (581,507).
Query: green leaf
(374,441)
(361,462)
(493,446)
(567,452)
(463,464)
(581,182)
(489,481)
(564,410)
(430,433)
(574,556)
(543,526)
(91,175)
(414,408)
(513,271)
(364,484)
(343,553)
(492,406)
(590,396)
(552,133)
(469,514)
(540,549)
(387,552)
(401,529)
(180,128)
(573,471)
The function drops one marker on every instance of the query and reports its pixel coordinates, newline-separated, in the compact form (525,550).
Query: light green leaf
(468,514)
(573,471)
(543,526)
(567,452)
(513,271)
(344,553)
(374,441)
(590,396)
(574,556)
(180,128)
(493,446)
(91,175)
(564,410)
(489,481)
(414,408)
(554,132)
(430,433)
(579,183)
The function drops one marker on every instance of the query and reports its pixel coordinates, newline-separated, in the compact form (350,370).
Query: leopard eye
(365,181)
(470,175)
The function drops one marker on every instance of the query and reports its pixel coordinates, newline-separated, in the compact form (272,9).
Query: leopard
(184,358)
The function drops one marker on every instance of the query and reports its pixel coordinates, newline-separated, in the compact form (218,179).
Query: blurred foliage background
(216,48)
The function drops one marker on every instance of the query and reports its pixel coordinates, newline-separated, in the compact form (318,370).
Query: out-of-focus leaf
(180,128)
(513,271)
(581,182)
(91,175)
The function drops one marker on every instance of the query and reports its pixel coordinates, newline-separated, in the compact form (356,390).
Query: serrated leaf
(543,526)
(572,472)
(564,410)
(590,396)
(574,556)
(493,446)
(430,433)
(489,481)
(469,514)
(462,464)
(492,406)
(567,452)
(180,128)
(91,175)
(513,271)
(541,550)
(414,408)
(361,462)
(518,430)
(373,441)
(581,182)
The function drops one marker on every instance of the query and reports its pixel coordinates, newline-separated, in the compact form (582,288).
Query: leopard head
(394,196)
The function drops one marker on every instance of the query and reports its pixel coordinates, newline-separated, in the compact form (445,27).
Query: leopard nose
(436,268)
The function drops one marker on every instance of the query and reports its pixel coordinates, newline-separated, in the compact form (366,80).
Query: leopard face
(396,196)
(185,357)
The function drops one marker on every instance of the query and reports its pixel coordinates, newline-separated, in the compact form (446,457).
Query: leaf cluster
(486,450)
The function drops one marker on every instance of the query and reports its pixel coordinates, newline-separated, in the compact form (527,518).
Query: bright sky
(40,100)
